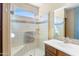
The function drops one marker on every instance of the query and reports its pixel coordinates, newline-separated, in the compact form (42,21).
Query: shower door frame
(6,29)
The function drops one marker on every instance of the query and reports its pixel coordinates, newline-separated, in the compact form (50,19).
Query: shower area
(28,30)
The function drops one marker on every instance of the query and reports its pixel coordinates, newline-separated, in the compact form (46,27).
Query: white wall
(49,8)
(46,7)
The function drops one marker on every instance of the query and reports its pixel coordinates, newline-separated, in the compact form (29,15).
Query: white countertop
(68,48)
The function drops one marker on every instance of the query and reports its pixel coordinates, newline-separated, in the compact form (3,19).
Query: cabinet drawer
(51,49)
(60,53)
(50,54)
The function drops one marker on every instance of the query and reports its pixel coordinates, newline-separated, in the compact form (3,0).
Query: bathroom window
(22,12)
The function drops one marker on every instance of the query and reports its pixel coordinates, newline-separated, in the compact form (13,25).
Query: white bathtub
(25,51)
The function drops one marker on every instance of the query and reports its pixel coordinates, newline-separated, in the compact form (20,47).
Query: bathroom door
(1,29)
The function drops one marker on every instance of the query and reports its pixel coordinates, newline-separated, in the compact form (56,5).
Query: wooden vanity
(51,51)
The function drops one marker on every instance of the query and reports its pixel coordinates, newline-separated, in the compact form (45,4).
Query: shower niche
(29,37)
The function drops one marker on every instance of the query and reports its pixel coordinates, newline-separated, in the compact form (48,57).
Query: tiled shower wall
(19,29)
(43,31)
(43,34)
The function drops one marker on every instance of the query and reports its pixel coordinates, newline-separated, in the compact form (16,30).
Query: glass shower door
(23,32)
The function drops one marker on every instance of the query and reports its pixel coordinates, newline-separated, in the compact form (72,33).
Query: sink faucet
(66,40)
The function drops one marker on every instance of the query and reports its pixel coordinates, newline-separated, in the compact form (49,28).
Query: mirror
(59,23)
(66,22)
(72,22)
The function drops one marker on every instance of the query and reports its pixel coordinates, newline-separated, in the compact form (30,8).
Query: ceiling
(45,7)
(37,4)
(65,4)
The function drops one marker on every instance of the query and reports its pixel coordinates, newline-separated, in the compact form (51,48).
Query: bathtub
(23,50)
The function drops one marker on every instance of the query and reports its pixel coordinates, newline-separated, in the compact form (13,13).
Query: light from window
(22,12)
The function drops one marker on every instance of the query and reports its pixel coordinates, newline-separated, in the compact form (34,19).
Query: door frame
(6,29)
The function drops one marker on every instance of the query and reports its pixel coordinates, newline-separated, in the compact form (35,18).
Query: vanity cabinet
(51,51)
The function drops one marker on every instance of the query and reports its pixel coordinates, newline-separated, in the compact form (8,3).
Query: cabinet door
(49,54)
(60,53)
(50,51)
(0,29)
